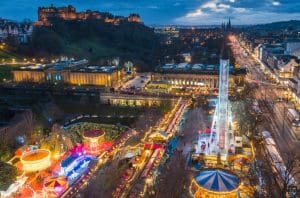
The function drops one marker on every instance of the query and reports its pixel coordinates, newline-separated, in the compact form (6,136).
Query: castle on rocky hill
(70,13)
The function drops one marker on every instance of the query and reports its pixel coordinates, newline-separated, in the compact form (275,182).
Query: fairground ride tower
(222,125)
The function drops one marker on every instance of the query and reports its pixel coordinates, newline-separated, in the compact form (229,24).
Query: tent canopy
(217,180)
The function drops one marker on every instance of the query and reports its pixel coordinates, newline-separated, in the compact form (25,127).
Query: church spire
(229,24)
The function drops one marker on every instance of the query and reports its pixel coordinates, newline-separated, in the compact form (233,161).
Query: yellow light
(31,165)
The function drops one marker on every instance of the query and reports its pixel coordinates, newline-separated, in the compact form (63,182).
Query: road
(138,82)
(285,135)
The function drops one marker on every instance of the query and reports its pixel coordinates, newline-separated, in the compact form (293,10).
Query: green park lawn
(92,50)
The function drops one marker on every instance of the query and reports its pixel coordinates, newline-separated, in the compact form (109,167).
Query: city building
(226,26)
(294,86)
(268,53)
(168,33)
(75,73)
(134,18)
(116,99)
(21,31)
(292,47)
(69,13)
(276,58)
(286,65)
(197,76)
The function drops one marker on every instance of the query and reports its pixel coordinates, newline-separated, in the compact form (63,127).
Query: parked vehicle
(293,115)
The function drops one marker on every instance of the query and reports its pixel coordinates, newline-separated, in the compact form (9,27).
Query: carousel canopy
(54,182)
(217,180)
(93,133)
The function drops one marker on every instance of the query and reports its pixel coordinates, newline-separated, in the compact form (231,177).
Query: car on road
(293,115)
(296,123)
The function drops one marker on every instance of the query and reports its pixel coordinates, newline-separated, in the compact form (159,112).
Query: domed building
(92,140)
(215,183)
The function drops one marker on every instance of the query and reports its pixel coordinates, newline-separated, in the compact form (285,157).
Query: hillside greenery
(280,25)
(95,40)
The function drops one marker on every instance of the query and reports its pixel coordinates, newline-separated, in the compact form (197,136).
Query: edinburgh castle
(69,13)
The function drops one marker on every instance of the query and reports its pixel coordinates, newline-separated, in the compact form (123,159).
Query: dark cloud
(169,11)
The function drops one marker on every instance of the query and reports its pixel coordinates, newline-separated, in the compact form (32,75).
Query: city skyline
(178,12)
(132,98)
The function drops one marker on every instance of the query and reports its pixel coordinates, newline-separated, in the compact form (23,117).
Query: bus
(293,115)
(276,161)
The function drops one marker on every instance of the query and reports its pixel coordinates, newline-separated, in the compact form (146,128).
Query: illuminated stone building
(197,75)
(107,76)
(29,76)
(134,18)
(106,79)
(20,31)
(133,100)
(66,13)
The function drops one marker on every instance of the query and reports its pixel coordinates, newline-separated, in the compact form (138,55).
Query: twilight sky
(181,12)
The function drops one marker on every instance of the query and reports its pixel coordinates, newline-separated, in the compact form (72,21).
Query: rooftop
(93,133)
(58,65)
(195,68)
(217,180)
(74,66)
(96,69)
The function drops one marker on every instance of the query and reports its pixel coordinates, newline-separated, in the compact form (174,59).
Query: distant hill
(281,25)
(96,41)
